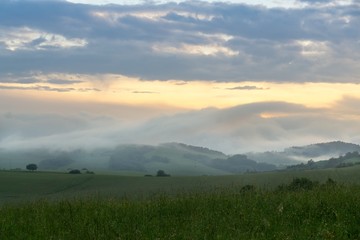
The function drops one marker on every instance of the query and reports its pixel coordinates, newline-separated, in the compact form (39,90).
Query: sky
(234,76)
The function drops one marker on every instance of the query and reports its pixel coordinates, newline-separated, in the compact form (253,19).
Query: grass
(24,186)
(224,213)
(43,205)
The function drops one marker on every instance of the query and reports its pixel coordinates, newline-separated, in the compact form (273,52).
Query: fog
(261,127)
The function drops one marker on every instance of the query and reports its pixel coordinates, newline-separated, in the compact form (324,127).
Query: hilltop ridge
(175,158)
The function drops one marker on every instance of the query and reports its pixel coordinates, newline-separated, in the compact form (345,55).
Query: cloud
(75,47)
(31,126)
(48,89)
(186,41)
(348,107)
(15,103)
(247,88)
(250,127)
(206,50)
(25,38)
(38,77)
(316,1)
(19,80)
(62,82)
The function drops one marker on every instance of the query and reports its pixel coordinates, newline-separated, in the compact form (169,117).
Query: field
(24,186)
(62,206)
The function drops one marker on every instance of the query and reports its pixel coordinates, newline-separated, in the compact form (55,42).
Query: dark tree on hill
(161,173)
(31,167)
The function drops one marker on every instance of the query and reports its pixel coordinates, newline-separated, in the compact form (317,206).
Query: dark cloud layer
(186,41)
(62,82)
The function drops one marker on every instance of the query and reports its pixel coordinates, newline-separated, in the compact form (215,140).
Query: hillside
(173,158)
(319,150)
(302,154)
(348,160)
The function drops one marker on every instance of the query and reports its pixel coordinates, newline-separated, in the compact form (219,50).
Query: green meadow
(40,205)
(26,186)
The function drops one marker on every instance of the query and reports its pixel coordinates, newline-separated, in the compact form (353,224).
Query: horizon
(233,76)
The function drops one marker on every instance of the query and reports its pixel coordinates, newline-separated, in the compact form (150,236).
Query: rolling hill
(173,158)
(302,154)
(348,160)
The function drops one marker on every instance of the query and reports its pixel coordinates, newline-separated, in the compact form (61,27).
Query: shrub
(298,184)
(301,184)
(31,167)
(75,171)
(161,173)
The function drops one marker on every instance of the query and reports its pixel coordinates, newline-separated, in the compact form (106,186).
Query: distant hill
(319,150)
(173,158)
(297,155)
(240,163)
(348,160)
(181,159)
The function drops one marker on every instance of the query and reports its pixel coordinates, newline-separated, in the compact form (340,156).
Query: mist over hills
(297,154)
(174,158)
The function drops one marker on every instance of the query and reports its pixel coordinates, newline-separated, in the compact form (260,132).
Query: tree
(75,171)
(31,167)
(161,173)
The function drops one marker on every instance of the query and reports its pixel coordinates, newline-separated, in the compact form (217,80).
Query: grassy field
(327,212)
(23,186)
(42,205)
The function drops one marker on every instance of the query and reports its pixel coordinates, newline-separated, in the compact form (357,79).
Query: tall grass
(325,212)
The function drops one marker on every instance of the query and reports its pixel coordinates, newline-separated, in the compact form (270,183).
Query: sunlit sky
(235,76)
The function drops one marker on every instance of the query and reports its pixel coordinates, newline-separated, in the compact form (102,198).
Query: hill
(296,155)
(348,160)
(173,158)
